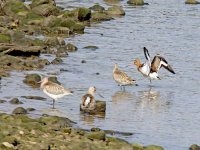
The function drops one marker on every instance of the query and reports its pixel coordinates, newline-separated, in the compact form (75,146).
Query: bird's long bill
(100,95)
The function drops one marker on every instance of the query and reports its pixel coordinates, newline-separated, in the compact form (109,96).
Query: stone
(153,147)
(194,147)
(137,2)
(71,48)
(15,101)
(84,14)
(100,16)
(99,108)
(32,80)
(1,100)
(46,10)
(19,110)
(97,8)
(57,60)
(5,38)
(116,11)
(191,2)
(96,135)
(30,109)
(91,47)
(34,98)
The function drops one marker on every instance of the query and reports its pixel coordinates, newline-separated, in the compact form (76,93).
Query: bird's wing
(146,54)
(159,62)
(54,88)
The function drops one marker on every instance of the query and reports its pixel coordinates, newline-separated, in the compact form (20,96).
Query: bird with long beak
(54,90)
(88,100)
(121,78)
(150,68)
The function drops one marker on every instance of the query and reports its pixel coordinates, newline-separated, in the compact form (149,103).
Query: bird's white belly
(55,97)
(145,70)
(153,75)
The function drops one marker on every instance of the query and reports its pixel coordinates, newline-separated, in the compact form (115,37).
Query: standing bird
(121,77)
(54,90)
(88,101)
(150,69)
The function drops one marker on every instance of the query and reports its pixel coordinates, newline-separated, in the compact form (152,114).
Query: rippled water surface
(165,112)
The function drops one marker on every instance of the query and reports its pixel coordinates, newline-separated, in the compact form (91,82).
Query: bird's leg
(53,104)
(150,80)
(123,87)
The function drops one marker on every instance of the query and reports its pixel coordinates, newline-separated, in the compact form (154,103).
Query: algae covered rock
(19,110)
(32,80)
(194,147)
(71,48)
(100,107)
(5,38)
(15,7)
(100,16)
(84,14)
(116,11)
(97,8)
(40,2)
(191,2)
(153,147)
(46,10)
(96,135)
(137,2)
(15,101)
(57,60)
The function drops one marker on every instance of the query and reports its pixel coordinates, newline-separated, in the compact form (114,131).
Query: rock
(84,14)
(57,60)
(51,21)
(19,110)
(83,61)
(15,7)
(194,147)
(100,16)
(112,1)
(34,98)
(46,10)
(62,30)
(30,109)
(55,122)
(153,147)
(52,41)
(2,101)
(96,135)
(32,80)
(99,108)
(18,50)
(5,38)
(116,11)
(97,8)
(91,47)
(137,2)
(40,2)
(15,101)
(191,2)
(71,48)
(8,145)
(137,147)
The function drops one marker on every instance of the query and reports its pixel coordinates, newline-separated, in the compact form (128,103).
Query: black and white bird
(150,68)
(88,100)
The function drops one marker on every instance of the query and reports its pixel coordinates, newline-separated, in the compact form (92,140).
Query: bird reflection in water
(154,100)
(122,96)
(89,119)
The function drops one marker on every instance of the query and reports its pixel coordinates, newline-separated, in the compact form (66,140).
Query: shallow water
(165,112)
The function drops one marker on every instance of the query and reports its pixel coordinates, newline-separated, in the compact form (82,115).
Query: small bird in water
(121,77)
(88,100)
(54,90)
(150,68)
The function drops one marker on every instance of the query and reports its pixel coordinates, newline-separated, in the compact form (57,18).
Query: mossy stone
(153,147)
(5,38)
(19,110)
(84,14)
(137,147)
(71,48)
(97,135)
(15,101)
(194,147)
(191,2)
(32,80)
(136,2)
(97,8)
(116,10)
